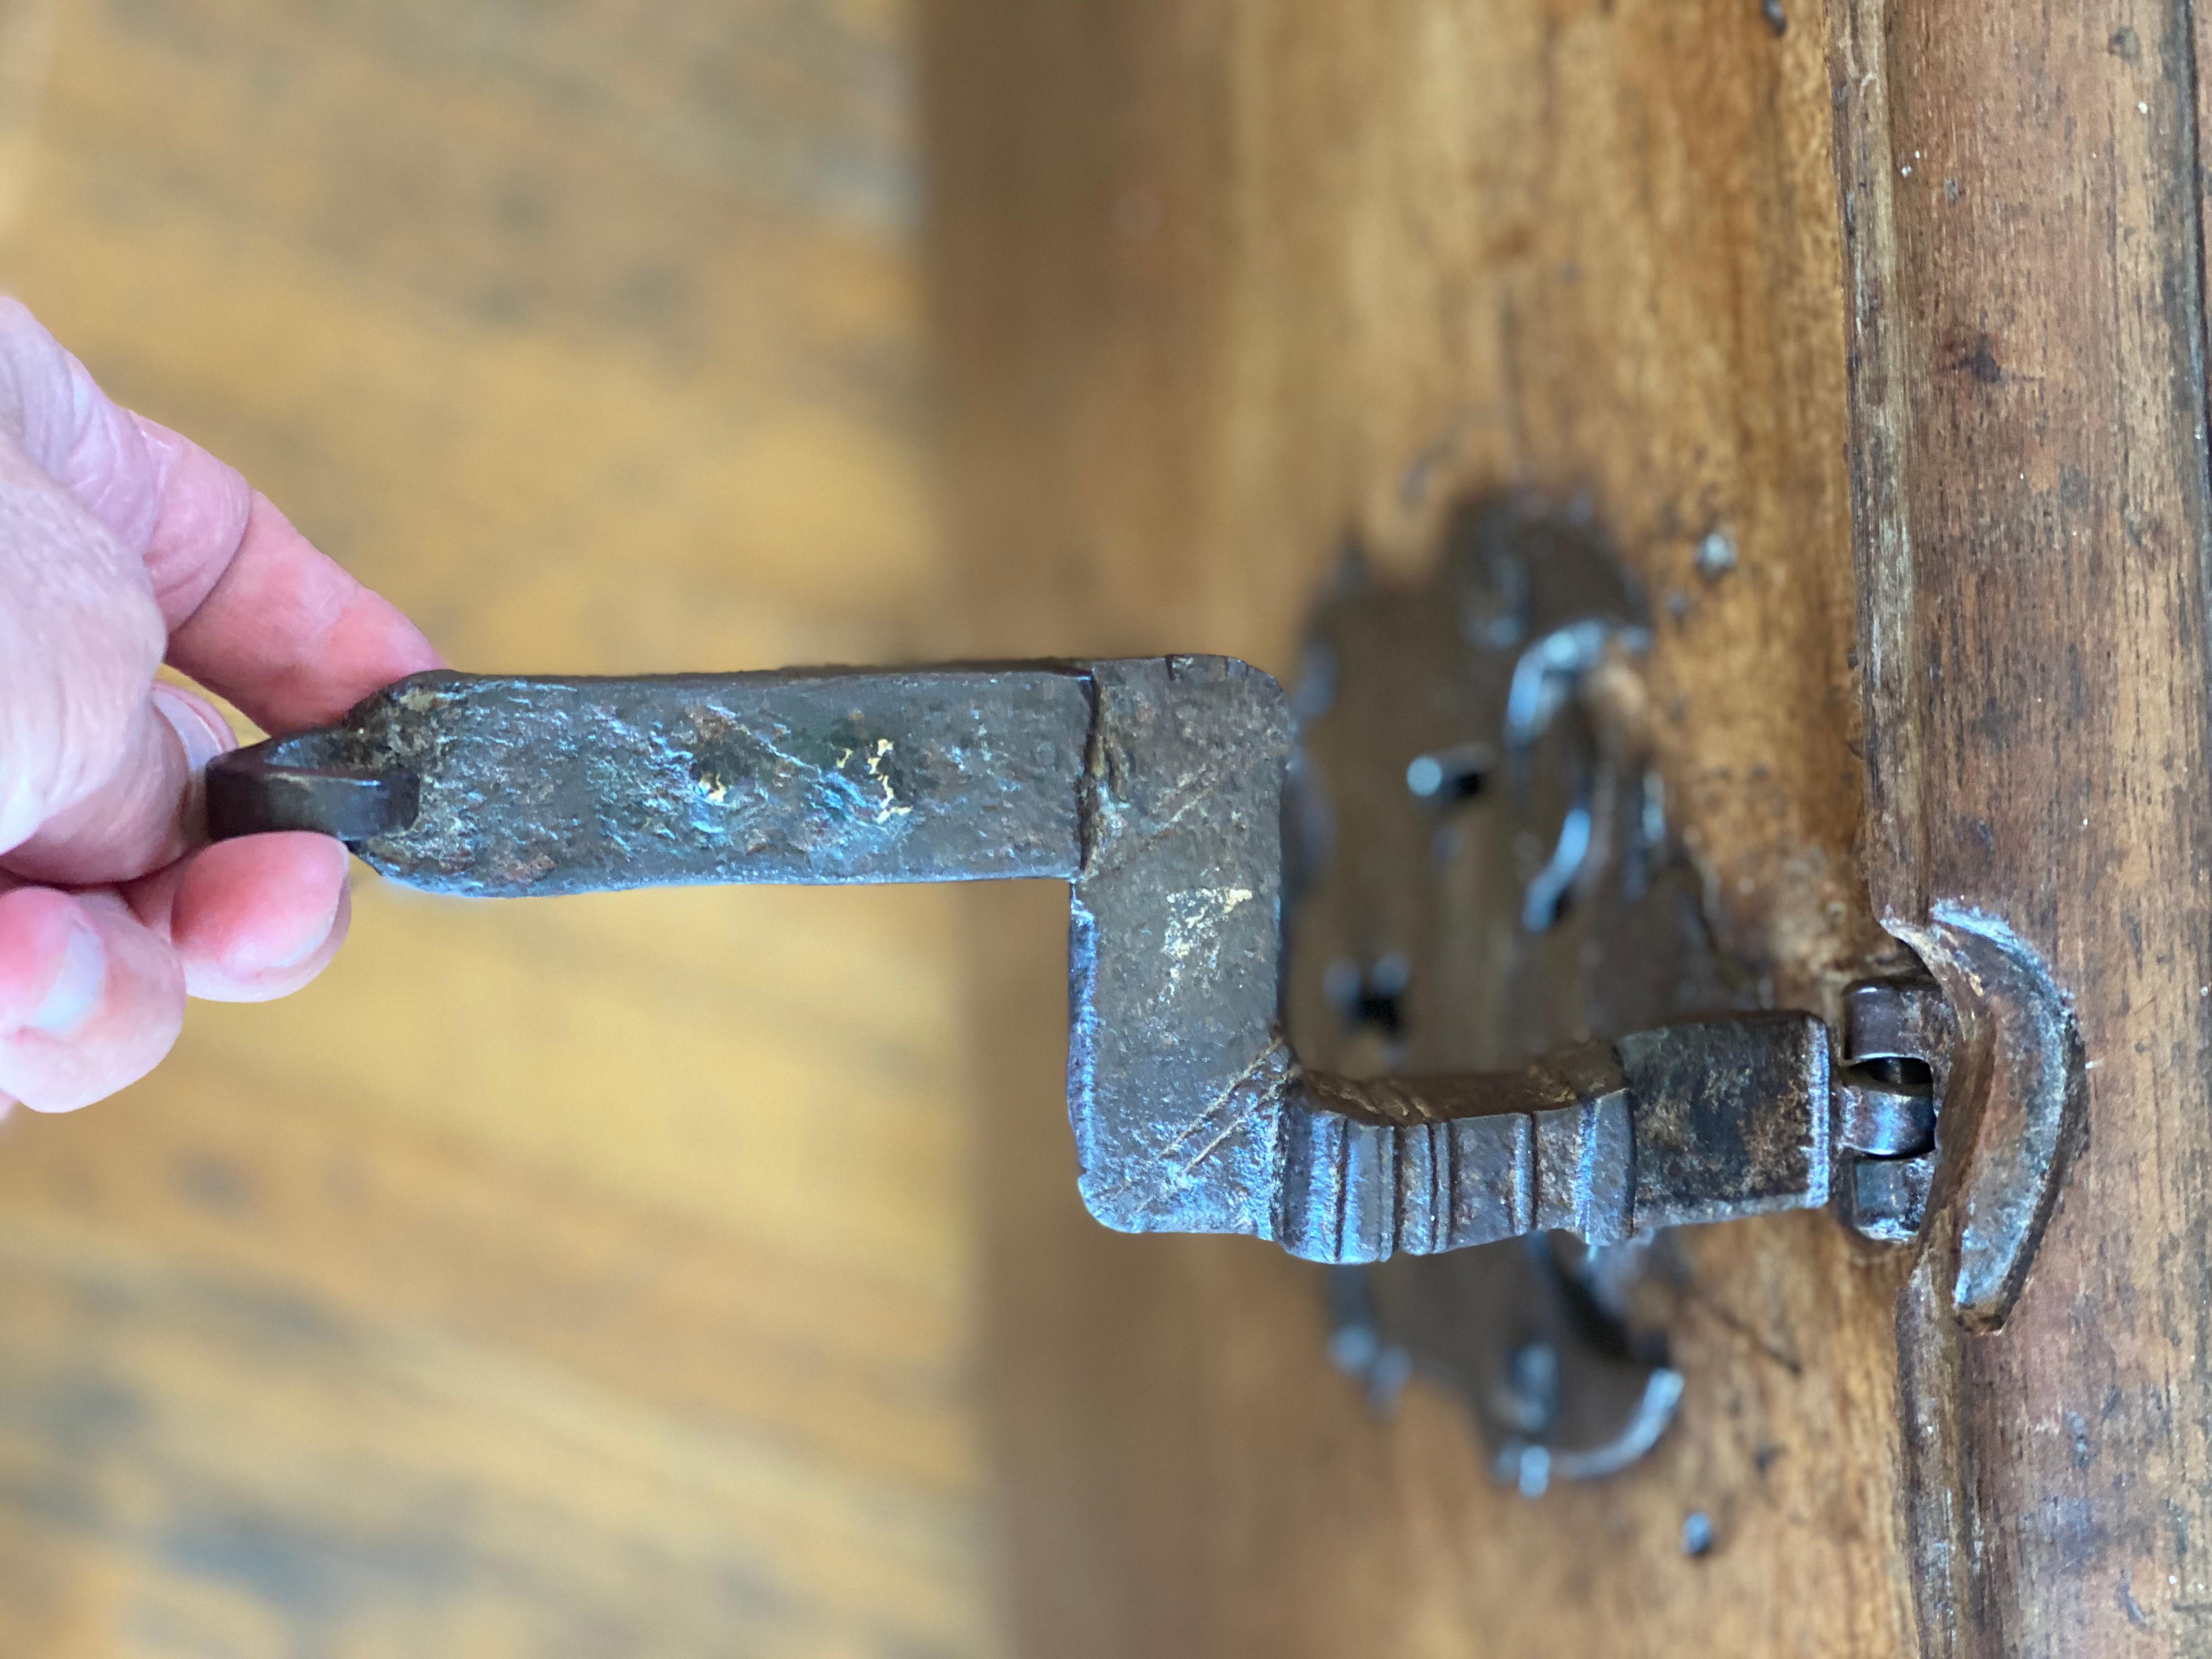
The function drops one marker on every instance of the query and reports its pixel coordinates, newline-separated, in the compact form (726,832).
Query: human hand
(122,545)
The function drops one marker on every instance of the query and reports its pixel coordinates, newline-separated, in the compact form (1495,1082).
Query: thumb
(80,638)
(145,814)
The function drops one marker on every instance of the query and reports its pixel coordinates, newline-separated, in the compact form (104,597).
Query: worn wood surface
(1221,284)
(2029,407)
(582,1278)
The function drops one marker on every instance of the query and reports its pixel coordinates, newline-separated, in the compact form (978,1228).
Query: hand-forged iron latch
(1349,971)
(1155,787)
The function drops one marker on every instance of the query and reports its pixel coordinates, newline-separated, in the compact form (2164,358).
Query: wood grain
(1221,285)
(579,1278)
(2029,410)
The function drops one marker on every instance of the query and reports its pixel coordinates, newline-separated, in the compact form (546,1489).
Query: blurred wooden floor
(577,1278)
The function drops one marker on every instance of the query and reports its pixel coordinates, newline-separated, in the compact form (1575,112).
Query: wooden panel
(1221,284)
(2030,414)
(582,1277)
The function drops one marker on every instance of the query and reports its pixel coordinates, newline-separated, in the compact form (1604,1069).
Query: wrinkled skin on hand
(123,545)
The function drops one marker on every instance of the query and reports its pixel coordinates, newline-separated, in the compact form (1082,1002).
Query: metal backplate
(1481,871)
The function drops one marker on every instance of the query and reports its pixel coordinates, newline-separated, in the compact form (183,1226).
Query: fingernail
(193,723)
(77,989)
(249,961)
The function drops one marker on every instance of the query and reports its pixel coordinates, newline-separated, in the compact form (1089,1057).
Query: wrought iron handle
(1154,787)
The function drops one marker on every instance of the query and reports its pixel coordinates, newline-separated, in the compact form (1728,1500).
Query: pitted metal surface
(538,786)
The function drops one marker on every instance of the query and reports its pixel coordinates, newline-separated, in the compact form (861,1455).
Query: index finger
(255,611)
(281,630)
